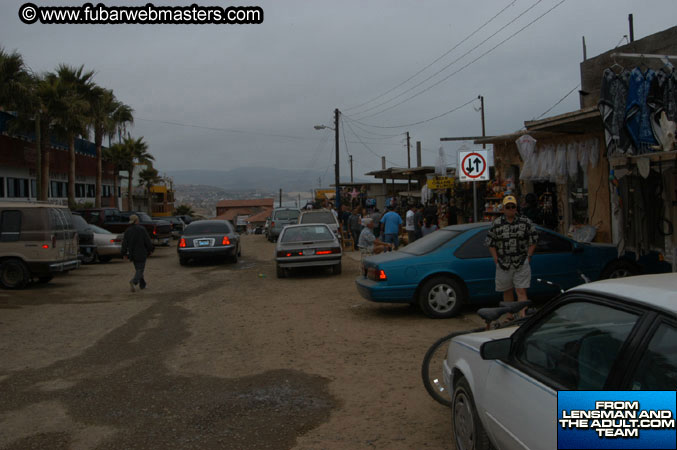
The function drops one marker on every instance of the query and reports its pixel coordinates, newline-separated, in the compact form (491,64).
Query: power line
(419,122)
(366,146)
(467,65)
(559,101)
(436,60)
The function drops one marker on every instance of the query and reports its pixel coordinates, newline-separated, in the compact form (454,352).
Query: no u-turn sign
(473,165)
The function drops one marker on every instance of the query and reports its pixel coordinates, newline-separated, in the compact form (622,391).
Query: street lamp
(337,199)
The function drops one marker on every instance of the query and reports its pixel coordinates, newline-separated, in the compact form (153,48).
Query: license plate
(308,252)
(203,243)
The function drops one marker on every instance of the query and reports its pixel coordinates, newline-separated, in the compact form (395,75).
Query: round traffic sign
(473,165)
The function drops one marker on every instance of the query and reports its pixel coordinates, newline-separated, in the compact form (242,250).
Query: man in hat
(368,243)
(512,241)
(137,246)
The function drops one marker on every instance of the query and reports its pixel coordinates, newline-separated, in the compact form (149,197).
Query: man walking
(392,224)
(512,241)
(136,246)
(410,224)
(418,221)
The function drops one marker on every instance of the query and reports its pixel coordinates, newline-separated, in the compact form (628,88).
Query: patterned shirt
(511,240)
(366,240)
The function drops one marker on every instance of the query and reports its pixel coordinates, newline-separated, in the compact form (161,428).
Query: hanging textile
(526,145)
(663,94)
(611,105)
(637,111)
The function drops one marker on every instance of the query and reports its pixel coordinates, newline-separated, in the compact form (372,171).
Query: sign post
(474,168)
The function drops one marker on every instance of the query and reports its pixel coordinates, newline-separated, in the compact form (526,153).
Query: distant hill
(256,178)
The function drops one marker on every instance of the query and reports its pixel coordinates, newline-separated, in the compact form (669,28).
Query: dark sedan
(204,239)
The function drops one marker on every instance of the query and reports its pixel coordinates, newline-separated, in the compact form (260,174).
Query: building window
(34,188)
(2,187)
(17,187)
(58,189)
(80,190)
(119,192)
(91,191)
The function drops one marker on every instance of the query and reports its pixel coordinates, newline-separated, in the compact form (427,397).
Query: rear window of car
(207,228)
(80,223)
(306,234)
(288,214)
(318,217)
(98,230)
(431,242)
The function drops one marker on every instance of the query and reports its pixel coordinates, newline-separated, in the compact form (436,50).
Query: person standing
(410,224)
(376,218)
(418,221)
(428,227)
(512,241)
(392,225)
(137,246)
(355,227)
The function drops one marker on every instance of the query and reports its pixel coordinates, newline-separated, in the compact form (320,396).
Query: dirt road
(215,356)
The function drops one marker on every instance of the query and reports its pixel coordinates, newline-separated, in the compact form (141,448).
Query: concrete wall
(664,43)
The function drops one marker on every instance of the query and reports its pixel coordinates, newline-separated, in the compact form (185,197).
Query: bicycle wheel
(433,363)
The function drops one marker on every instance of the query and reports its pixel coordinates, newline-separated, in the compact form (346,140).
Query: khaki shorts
(514,278)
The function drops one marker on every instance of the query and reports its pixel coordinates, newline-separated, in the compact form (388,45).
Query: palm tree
(74,116)
(122,116)
(148,178)
(15,80)
(136,151)
(117,155)
(103,105)
(184,210)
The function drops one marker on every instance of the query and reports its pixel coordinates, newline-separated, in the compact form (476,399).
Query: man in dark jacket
(136,245)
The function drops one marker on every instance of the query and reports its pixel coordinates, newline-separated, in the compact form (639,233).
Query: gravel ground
(215,355)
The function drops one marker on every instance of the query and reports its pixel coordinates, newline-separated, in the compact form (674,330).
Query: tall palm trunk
(115,186)
(44,151)
(71,170)
(130,187)
(98,138)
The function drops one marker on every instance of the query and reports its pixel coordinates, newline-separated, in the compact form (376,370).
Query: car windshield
(99,230)
(304,234)
(207,228)
(318,217)
(80,223)
(431,242)
(288,214)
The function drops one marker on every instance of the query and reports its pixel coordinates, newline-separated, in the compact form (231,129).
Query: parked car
(177,225)
(209,239)
(86,245)
(37,240)
(280,218)
(613,335)
(321,216)
(185,219)
(108,245)
(452,267)
(117,221)
(313,245)
(258,230)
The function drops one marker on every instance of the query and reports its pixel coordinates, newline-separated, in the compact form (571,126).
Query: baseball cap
(133,218)
(509,199)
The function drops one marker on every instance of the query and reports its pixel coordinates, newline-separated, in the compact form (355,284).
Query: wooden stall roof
(587,120)
(403,173)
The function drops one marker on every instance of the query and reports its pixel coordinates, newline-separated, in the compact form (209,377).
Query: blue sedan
(452,267)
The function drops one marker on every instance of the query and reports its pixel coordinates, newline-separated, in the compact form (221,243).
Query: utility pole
(632,28)
(280,197)
(351,168)
(418,153)
(337,174)
(408,165)
(474,183)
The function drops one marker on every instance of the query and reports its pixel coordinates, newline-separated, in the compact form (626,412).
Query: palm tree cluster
(67,104)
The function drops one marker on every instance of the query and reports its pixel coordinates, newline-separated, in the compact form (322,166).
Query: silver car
(307,246)
(280,218)
(108,245)
(321,216)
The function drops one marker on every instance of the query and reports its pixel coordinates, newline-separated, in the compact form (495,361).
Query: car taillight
(373,273)
(45,245)
(272,224)
(283,253)
(154,231)
(225,241)
(324,252)
(382,275)
(182,243)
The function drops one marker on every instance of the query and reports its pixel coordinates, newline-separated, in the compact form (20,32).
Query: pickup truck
(117,221)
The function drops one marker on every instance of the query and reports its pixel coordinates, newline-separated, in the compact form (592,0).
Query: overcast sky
(270,83)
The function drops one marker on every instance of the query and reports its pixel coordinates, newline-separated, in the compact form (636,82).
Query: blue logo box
(616,420)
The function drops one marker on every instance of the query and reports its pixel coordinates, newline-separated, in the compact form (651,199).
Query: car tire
(281,272)
(90,258)
(441,297)
(45,279)
(468,430)
(183,261)
(336,269)
(105,259)
(13,274)
(239,251)
(233,258)
(619,269)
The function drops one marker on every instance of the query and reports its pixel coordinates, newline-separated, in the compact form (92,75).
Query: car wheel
(13,274)
(441,297)
(183,261)
(336,269)
(619,269)
(89,258)
(45,279)
(233,258)
(105,259)
(469,433)
(281,272)
(239,251)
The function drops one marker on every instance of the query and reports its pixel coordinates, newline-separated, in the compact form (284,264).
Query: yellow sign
(441,183)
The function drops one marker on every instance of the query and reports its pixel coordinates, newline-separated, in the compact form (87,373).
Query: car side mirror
(578,248)
(496,349)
